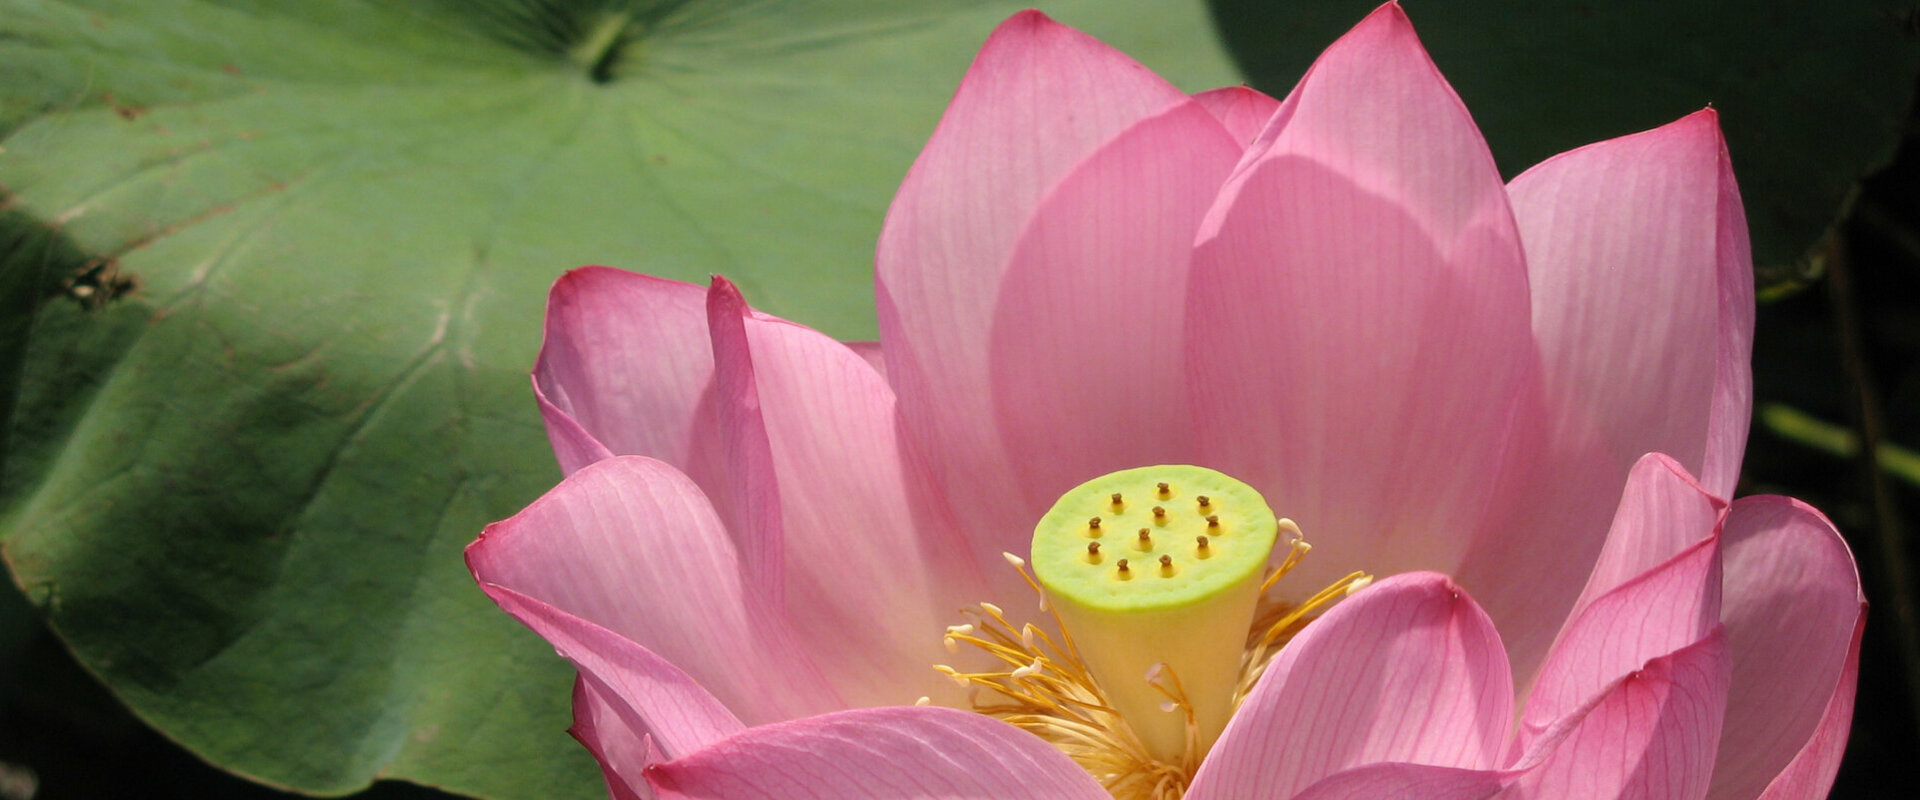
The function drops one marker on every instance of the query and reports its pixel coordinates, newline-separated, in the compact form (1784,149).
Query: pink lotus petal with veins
(1522,405)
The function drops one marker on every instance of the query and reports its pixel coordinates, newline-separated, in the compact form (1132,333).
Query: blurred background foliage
(270,279)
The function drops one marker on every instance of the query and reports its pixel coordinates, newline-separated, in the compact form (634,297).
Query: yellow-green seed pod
(1159,566)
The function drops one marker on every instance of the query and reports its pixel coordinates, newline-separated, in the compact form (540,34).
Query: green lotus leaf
(271,278)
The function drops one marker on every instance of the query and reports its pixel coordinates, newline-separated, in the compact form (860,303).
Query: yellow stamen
(1042,683)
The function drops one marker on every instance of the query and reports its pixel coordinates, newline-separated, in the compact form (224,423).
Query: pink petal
(623,366)
(1643,303)
(1358,323)
(1408,670)
(631,545)
(1809,776)
(573,446)
(623,752)
(1733,370)
(1406,782)
(645,693)
(1655,613)
(1086,340)
(1792,597)
(1650,735)
(1244,110)
(867,582)
(870,351)
(1643,296)
(1662,512)
(1039,99)
(735,466)
(879,754)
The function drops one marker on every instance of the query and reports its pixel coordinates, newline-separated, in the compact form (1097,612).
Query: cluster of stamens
(1042,684)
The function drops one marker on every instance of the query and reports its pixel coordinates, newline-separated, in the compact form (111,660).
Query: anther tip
(1116,498)
(1213,520)
(1202,541)
(1204,500)
(1159,512)
(1145,536)
(1121,565)
(1093,523)
(1166,561)
(1093,548)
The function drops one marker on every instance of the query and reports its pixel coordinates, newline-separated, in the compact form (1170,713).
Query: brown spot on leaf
(126,112)
(97,283)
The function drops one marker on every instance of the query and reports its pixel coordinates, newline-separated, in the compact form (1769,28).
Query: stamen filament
(1039,679)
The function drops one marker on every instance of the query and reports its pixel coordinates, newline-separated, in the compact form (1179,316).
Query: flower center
(1156,578)
(1159,567)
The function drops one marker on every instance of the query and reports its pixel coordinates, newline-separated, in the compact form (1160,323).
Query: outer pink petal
(878,754)
(1651,735)
(1409,670)
(870,351)
(623,366)
(1656,613)
(1662,512)
(1086,351)
(1039,99)
(631,545)
(644,692)
(623,751)
(1733,370)
(1792,598)
(1643,296)
(1244,110)
(734,464)
(1643,304)
(1406,782)
(868,583)
(1810,775)
(1358,322)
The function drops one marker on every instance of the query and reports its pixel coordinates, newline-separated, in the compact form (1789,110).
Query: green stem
(1839,441)
(1892,557)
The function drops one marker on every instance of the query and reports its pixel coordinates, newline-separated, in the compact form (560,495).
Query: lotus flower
(1522,406)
